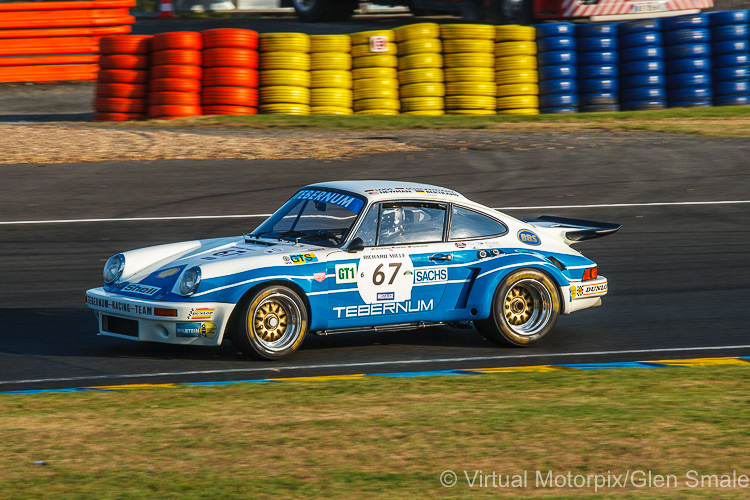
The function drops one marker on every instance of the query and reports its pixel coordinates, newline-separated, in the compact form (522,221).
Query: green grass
(714,121)
(380,438)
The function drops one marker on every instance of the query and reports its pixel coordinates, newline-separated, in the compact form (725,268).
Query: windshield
(313,216)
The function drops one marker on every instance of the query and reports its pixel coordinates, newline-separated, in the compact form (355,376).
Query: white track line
(249,216)
(275,370)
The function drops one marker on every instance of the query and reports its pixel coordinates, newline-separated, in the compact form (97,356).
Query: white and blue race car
(355,256)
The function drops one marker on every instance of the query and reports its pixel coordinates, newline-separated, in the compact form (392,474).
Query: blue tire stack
(730,56)
(556,59)
(642,66)
(687,42)
(598,80)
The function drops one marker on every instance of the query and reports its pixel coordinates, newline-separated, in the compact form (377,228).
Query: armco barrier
(57,41)
(470,69)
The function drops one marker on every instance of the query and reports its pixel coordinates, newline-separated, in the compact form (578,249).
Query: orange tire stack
(175,75)
(121,82)
(230,72)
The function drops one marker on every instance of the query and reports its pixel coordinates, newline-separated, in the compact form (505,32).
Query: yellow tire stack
(420,73)
(516,71)
(285,73)
(330,75)
(468,58)
(375,81)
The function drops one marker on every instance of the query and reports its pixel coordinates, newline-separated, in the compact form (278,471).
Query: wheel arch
(492,286)
(234,317)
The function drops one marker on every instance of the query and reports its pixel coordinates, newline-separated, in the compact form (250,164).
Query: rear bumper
(583,294)
(195,323)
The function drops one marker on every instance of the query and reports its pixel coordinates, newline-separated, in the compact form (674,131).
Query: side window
(404,223)
(368,231)
(467,224)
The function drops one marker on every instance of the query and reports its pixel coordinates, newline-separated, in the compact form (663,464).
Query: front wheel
(525,309)
(273,323)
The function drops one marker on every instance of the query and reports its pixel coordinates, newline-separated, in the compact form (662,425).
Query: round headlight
(189,281)
(113,268)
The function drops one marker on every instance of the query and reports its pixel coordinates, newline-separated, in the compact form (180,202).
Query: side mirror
(357,245)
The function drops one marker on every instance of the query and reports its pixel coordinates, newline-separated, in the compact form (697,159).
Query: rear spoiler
(573,230)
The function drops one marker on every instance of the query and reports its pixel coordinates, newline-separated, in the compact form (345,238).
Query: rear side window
(466,224)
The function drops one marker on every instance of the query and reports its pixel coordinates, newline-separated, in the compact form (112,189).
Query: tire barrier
(429,70)
(122,83)
(558,63)
(330,75)
(642,67)
(729,46)
(172,93)
(598,82)
(515,65)
(468,57)
(230,63)
(688,56)
(420,69)
(59,41)
(375,73)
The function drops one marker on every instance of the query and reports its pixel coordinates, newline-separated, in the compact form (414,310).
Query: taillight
(590,274)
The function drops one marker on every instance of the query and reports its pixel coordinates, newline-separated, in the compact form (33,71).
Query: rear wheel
(273,323)
(524,310)
(315,11)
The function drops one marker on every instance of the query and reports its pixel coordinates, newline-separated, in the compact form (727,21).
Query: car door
(402,272)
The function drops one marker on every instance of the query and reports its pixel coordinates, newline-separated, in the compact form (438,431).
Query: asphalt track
(678,269)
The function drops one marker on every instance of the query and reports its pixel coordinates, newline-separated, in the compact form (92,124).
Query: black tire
(272,323)
(316,11)
(524,310)
(510,12)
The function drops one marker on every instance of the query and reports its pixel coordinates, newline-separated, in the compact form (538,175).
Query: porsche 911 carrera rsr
(355,256)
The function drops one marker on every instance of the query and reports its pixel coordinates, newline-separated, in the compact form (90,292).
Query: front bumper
(195,323)
(583,294)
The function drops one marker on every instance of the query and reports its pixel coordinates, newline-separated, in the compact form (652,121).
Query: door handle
(441,257)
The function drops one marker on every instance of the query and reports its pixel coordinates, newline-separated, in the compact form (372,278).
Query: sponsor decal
(386,296)
(583,291)
(142,289)
(319,277)
(188,330)
(423,190)
(303,258)
(168,272)
(346,273)
(431,275)
(274,250)
(352,203)
(460,245)
(200,313)
(528,237)
(194,330)
(384,309)
(122,307)
(232,252)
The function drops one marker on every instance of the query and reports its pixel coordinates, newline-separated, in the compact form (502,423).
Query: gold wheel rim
(270,321)
(528,307)
(519,305)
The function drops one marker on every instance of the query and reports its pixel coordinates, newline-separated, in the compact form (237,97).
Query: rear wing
(573,230)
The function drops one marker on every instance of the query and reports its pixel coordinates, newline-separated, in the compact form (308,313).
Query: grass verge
(386,438)
(728,121)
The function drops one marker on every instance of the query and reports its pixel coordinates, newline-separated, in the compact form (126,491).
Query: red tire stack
(175,75)
(122,79)
(230,72)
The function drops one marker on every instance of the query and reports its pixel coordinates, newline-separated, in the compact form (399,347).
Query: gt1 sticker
(385,272)
(346,273)
(528,237)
